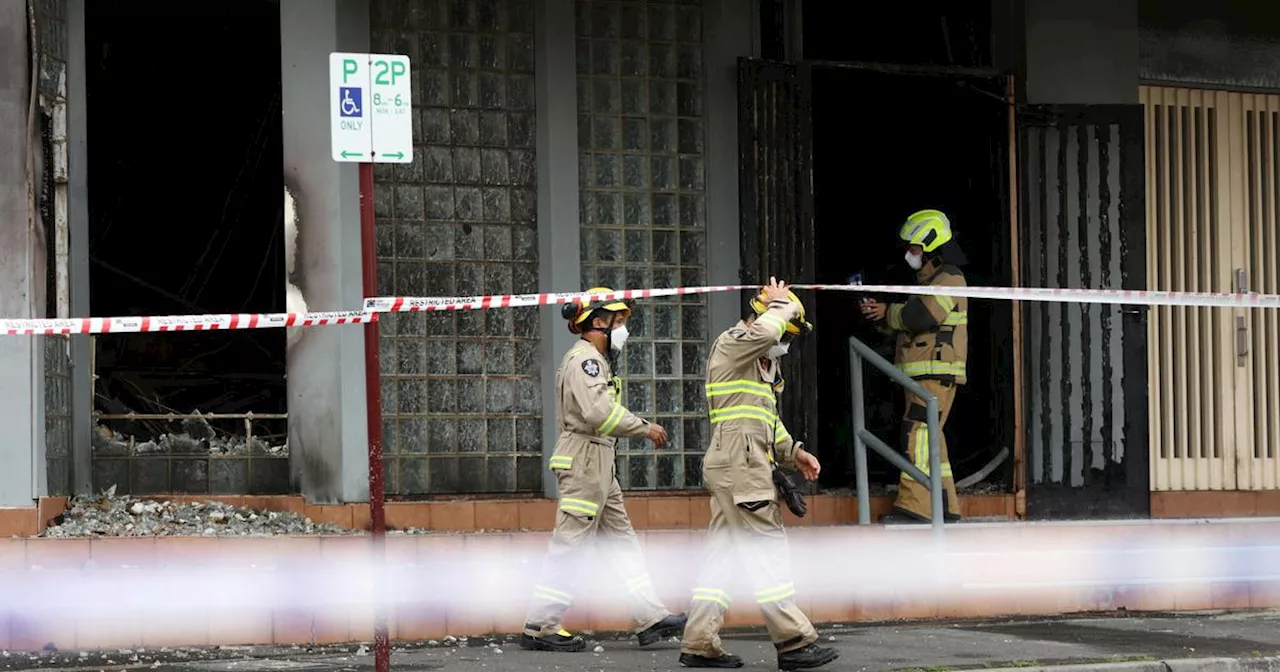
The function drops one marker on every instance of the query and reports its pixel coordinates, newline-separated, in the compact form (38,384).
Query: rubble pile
(197,437)
(109,515)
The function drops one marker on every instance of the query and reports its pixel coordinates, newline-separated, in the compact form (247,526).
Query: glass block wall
(461,400)
(643,213)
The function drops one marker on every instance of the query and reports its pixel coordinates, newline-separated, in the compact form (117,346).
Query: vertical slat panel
(1159,466)
(1177,234)
(1191,280)
(1037,317)
(1188,205)
(1271,284)
(1237,187)
(1082,200)
(1264,342)
(1209,378)
(1212,196)
(1226,130)
(1164,231)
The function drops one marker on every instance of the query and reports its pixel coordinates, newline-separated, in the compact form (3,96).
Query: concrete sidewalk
(1204,642)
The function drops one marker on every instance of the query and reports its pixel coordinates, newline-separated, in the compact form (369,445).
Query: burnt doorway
(833,158)
(889,142)
(185,217)
(1084,218)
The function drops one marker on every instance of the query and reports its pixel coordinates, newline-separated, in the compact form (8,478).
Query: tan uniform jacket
(587,397)
(932,331)
(741,401)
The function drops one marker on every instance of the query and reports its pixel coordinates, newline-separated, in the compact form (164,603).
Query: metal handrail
(862,437)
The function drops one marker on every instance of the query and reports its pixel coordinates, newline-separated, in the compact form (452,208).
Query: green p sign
(349,67)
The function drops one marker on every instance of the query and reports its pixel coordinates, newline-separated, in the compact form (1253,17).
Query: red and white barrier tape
(126,325)
(396,304)
(405,304)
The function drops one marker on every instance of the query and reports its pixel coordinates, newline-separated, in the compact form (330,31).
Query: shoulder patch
(591,367)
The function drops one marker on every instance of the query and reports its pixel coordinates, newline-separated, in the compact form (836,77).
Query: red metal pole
(373,403)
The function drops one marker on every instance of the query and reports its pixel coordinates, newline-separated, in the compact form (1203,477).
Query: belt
(606,441)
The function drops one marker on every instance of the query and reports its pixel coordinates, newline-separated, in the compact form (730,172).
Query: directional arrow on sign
(346,155)
(394,155)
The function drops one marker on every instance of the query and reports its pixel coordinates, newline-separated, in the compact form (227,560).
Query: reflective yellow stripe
(560,462)
(739,387)
(582,506)
(775,321)
(782,434)
(920,456)
(947,303)
(742,411)
(946,471)
(715,595)
(932,368)
(552,595)
(894,316)
(955,319)
(636,584)
(611,423)
(776,594)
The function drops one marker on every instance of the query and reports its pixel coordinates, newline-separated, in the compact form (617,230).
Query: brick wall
(461,399)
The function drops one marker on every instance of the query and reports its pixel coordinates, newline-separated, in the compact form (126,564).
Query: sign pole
(373,402)
(372,122)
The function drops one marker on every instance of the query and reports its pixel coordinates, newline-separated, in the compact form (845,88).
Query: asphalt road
(873,648)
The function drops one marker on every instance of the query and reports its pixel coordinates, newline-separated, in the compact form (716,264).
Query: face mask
(915,261)
(779,350)
(618,337)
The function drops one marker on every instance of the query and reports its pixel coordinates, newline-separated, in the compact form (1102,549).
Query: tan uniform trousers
(751,544)
(590,513)
(913,497)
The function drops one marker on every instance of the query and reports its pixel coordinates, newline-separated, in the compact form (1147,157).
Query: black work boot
(806,657)
(727,660)
(670,626)
(562,641)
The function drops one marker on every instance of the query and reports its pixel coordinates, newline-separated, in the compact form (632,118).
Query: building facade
(565,144)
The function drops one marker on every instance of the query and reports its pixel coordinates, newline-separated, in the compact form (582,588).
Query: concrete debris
(197,437)
(109,515)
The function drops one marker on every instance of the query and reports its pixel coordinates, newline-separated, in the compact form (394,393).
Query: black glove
(790,495)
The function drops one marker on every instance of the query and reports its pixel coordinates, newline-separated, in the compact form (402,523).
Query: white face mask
(779,350)
(915,261)
(618,337)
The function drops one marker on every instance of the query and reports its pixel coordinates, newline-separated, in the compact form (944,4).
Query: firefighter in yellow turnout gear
(591,419)
(746,537)
(931,334)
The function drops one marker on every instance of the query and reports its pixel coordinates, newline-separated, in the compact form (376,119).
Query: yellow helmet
(930,229)
(794,327)
(581,311)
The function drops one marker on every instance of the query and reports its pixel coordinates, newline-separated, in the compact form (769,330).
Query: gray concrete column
(728,35)
(78,220)
(327,432)
(21,360)
(559,266)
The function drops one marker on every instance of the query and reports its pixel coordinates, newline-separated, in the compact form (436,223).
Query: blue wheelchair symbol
(349,101)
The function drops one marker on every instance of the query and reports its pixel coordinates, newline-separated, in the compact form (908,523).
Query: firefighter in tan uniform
(748,441)
(590,506)
(931,332)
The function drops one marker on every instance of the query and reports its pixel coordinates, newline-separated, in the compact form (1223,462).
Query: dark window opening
(185,210)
